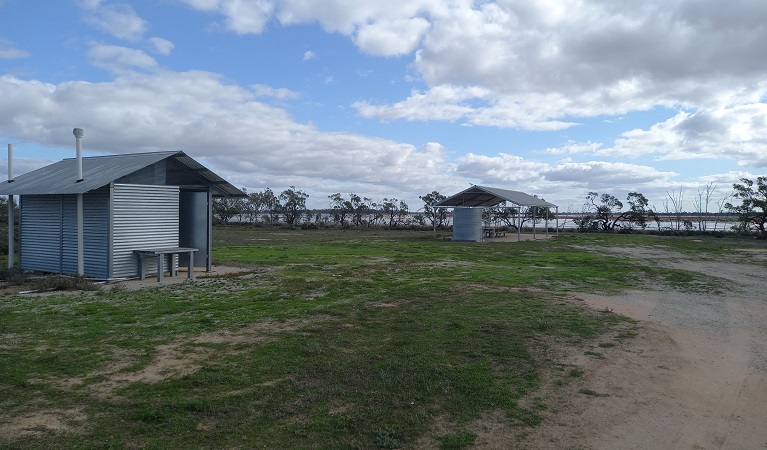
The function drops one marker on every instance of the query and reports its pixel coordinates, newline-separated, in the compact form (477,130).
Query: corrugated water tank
(467,224)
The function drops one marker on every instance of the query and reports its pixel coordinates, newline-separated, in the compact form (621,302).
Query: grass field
(325,339)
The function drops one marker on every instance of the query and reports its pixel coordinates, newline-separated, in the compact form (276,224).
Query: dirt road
(695,378)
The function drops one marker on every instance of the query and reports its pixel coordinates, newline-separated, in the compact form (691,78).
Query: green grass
(327,339)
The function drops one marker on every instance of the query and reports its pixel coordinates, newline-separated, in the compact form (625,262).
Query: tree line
(605,212)
(350,210)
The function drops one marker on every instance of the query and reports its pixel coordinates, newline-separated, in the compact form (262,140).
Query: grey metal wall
(467,224)
(193,226)
(40,233)
(49,233)
(143,216)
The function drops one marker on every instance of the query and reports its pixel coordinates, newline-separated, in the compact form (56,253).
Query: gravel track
(695,377)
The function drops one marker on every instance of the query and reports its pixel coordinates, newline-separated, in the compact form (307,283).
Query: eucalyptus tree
(752,211)
(340,208)
(293,204)
(394,210)
(437,216)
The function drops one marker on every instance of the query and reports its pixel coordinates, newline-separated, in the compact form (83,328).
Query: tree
(639,211)
(677,207)
(436,216)
(255,206)
(501,214)
(701,203)
(360,208)
(293,203)
(394,210)
(224,209)
(604,212)
(271,205)
(340,208)
(752,212)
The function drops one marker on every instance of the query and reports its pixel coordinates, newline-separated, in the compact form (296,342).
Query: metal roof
(98,171)
(481,196)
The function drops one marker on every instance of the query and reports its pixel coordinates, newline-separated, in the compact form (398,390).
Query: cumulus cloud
(508,169)
(547,61)
(8,51)
(309,55)
(240,16)
(738,133)
(542,63)
(161,46)
(573,147)
(391,38)
(120,60)
(199,113)
(119,20)
(375,26)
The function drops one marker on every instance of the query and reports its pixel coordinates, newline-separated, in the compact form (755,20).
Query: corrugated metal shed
(130,202)
(99,171)
(481,196)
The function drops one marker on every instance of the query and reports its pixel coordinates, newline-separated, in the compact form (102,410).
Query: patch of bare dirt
(181,358)
(54,420)
(695,376)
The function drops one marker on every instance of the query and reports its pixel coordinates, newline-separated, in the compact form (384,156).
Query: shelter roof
(481,196)
(98,171)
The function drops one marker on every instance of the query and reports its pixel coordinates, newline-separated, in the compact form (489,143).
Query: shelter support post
(434,222)
(80,244)
(519,226)
(11,232)
(209,256)
(556,211)
(547,220)
(535,215)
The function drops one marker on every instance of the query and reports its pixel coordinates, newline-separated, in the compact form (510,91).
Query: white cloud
(441,103)
(118,20)
(8,51)
(241,16)
(120,60)
(244,139)
(549,61)
(573,147)
(565,182)
(391,38)
(262,90)
(309,55)
(738,133)
(161,46)
(544,64)
(375,26)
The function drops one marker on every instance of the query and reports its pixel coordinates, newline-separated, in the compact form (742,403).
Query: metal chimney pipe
(10,163)
(79,133)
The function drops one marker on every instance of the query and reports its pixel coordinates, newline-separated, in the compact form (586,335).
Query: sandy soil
(694,378)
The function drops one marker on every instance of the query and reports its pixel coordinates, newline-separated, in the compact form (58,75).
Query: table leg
(140,267)
(160,260)
(172,260)
(190,274)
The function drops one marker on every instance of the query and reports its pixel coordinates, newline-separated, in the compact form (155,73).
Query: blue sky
(554,98)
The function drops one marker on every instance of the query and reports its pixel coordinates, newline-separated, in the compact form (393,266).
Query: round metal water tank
(467,224)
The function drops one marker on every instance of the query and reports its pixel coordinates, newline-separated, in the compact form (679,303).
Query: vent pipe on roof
(79,132)
(10,163)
